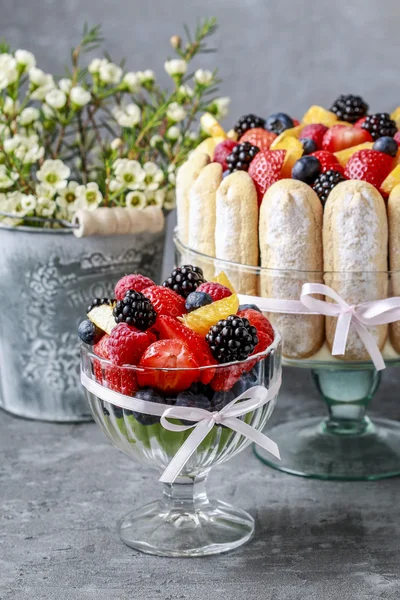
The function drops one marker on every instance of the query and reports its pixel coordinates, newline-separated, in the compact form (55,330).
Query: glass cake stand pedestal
(347,445)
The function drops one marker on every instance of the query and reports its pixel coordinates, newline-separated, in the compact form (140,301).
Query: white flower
(28,116)
(88,196)
(4,131)
(116,143)
(129,173)
(110,73)
(132,82)
(56,99)
(25,148)
(135,199)
(170,200)
(8,70)
(68,194)
(176,112)
(156,140)
(79,96)
(146,76)
(28,202)
(153,177)
(222,106)
(25,59)
(45,207)
(185,91)
(54,173)
(47,111)
(129,116)
(115,185)
(65,85)
(7,178)
(44,190)
(173,133)
(10,107)
(203,77)
(96,65)
(176,66)
(156,198)
(39,78)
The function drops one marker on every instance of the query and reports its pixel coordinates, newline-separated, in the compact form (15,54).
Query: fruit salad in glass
(163,365)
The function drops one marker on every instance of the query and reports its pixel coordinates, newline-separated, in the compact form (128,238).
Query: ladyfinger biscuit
(355,238)
(202,200)
(236,224)
(394,257)
(291,242)
(185,178)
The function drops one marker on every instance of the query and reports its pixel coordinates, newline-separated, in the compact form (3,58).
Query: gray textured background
(273,55)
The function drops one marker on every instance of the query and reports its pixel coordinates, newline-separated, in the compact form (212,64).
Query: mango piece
(232,135)
(292,132)
(318,114)
(294,151)
(391,180)
(210,125)
(208,145)
(344,155)
(223,279)
(396,116)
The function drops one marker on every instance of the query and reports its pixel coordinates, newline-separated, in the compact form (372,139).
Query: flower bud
(176,41)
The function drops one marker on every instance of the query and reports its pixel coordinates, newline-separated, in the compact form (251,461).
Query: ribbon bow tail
(342,332)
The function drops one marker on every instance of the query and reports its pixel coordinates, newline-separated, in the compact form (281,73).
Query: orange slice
(391,180)
(203,318)
(344,155)
(292,132)
(318,114)
(223,279)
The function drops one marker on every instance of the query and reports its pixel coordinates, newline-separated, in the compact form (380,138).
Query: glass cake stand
(347,445)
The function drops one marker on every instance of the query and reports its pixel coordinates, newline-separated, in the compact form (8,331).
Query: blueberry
(196,300)
(248,307)
(148,395)
(278,122)
(387,145)
(306,169)
(309,146)
(117,410)
(89,333)
(226,173)
(190,400)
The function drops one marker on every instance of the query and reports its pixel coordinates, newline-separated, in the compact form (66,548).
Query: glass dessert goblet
(347,445)
(184,522)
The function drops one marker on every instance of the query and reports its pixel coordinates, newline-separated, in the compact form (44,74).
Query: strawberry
(100,349)
(226,377)
(265,169)
(217,291)
(117,379)
(168,354)
(131,282)
(328,161)
(165,301)
(222,150)
(264,328)
(396,137)
(126,344)
(170,328)
(369,165)
(340,137)
(360,122)
(314,132)
(259,137)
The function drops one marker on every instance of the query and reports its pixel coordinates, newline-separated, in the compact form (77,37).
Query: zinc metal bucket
(47,278)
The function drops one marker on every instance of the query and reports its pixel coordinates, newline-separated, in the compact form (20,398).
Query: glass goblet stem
(186,494)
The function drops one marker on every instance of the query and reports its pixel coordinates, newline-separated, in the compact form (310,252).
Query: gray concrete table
(63,487)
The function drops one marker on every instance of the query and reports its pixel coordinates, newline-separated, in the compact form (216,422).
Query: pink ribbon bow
(361,316)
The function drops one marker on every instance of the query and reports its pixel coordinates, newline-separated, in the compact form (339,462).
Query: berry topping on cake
(349,108)
(386,144)
(100,302)
(340,137)
(309,145)
(248,122)
(126,344)
(279,122)
(165,301)
(196,300)
(326,182)
(328,160)
(232,339)
(306,169)
(135,309)
(241,156)
(380,125)
(222,151)
(369,165)
(217,291)
(314,132)
(185,280)
(131,282)
(89,332)
(261,138)
(265,170)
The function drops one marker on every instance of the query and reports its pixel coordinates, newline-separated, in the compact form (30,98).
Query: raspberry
(259,137)
(217,291)
(265,331)
(131,282)
(265,169)
(117,379)
(222,150)
(314,132)
(328,161)
(100,349)
(397,137)
(127,344)
(369,165)
(165,301)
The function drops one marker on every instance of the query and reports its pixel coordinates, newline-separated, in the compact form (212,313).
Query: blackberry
(349,108)
(248,122)
(184,280)
(232,339)
(326,182)
(241,156)
(380,125)
(135,309)
(99,302)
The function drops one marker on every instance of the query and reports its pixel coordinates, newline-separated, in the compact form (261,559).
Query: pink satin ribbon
(361,316)
(250,400)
